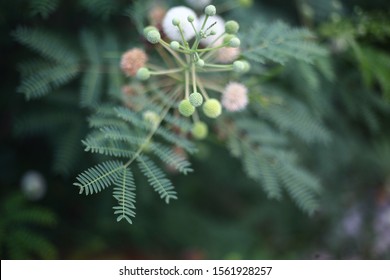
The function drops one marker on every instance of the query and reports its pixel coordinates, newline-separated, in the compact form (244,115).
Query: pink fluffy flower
(226,55)
(235,97)
(132,60)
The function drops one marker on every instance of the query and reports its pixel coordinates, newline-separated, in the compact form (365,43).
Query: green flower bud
(234,42)
(175,21)
(213,32)
(199,130)
(200,62)
(190,18)
(186,108)
(152,117)
(210,10)
(196,99)
(175,45)
(227,38)
(231,27)
(247,66)
(153,36)
(239,66)
(149,28)
(212,108)
(143,74)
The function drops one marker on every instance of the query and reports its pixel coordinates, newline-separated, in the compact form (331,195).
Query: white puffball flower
(181,13)
(235,97)
(198,4)
(33,185)
(218,27)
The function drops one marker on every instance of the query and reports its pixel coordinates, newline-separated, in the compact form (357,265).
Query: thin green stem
(214,48)
(185,43)
(204,22)
(168,71)
(193,77)
(173,53)
(219,66)
(195,116)
(187,84)
(203,91)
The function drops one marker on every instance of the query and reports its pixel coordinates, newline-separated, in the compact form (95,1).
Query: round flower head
(132,61)
(226,55)
(218,27)
(198,4)
(212,108)
(210,10)
(180,13)
(196,99)
(186,108)
(199,130)
(235,97)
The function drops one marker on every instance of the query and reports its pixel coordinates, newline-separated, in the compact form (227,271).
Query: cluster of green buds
(192,44)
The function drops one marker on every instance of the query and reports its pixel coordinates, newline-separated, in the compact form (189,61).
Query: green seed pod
(196,99)
(199,130)
(231,27)
(186,108)
(143,74)
(210,10)
(212,108)
(175,45)
(153,36)
(234,42)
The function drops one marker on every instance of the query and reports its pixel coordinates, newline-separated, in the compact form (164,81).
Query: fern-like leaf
(45,43)
(261,170)
(177,140)
(100,8)
(41,83)
(157,178)
(43,7)
(99,177)
(125,195)
(92,80)
(167,155)
(279,43)
(302,186)
(98,143)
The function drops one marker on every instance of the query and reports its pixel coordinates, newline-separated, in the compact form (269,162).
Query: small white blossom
(181,13)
